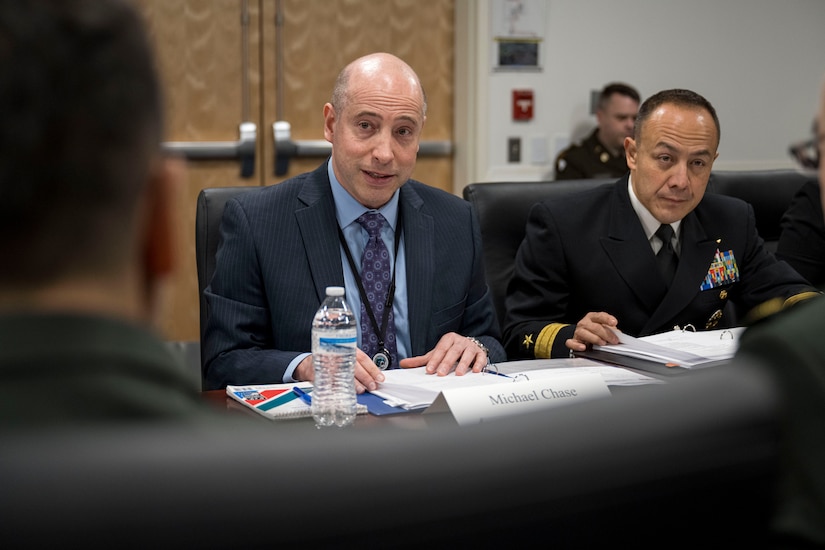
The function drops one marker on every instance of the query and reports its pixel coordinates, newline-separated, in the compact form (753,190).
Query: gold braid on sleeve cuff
(544,342)
(775,305)
(801,297)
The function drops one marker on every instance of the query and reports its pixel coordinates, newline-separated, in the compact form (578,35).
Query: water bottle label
(333,343)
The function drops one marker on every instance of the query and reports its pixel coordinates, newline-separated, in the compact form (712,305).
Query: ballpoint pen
(302,395)
(487,370)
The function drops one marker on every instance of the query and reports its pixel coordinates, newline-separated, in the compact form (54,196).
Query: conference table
(415,420)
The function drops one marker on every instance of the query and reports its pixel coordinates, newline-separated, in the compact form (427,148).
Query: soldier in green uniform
(601,154)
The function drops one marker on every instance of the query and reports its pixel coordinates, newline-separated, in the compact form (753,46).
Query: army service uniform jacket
(589,160)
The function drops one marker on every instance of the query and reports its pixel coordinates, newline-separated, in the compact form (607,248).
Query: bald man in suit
(281,247)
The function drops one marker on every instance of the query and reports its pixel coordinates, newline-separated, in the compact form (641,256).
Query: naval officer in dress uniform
(647,253)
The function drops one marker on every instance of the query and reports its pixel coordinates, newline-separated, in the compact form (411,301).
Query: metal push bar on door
(287,148)
(242,150)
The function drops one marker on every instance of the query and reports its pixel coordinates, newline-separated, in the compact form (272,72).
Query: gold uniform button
(723,295)
(604,157)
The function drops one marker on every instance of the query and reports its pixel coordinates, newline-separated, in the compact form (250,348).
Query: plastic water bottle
(334,340)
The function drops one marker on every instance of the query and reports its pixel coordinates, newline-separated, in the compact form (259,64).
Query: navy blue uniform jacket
(588,252)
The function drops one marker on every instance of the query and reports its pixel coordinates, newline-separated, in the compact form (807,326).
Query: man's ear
(329,121)
(630,152)
(162,200)
(599,117)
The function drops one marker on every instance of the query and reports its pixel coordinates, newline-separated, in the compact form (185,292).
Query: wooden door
(319,37)
(224,62)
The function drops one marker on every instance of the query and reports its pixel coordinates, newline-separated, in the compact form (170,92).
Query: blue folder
(376,405)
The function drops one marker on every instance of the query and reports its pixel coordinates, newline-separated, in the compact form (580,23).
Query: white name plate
(475,404)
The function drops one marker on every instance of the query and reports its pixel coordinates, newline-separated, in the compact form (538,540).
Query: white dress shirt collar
(649,223)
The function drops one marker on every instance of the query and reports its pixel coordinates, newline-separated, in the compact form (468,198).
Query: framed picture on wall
(518,33)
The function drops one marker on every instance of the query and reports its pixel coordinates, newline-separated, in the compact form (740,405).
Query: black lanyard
(363,293)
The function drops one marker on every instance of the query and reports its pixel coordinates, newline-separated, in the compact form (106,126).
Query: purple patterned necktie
(376,276)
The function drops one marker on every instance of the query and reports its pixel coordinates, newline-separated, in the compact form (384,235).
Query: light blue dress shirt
(348,210)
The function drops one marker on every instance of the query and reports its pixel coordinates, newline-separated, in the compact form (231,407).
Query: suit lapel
(317,223)
(419,243)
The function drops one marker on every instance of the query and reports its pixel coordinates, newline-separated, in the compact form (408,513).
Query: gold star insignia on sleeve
(528,341)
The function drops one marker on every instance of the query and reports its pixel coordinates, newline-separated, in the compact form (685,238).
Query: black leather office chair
(770,192)
(502,209)
(207,234)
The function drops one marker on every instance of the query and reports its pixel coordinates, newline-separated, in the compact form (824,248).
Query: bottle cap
(335,291)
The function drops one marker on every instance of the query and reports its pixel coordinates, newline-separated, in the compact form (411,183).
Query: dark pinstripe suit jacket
(279,251)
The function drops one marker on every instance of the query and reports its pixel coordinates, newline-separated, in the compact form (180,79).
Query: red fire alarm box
(522,104)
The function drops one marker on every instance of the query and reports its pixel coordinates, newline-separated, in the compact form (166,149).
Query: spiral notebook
(277,401)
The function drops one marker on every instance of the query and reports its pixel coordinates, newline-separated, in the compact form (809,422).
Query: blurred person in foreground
(791,344)
(85,219)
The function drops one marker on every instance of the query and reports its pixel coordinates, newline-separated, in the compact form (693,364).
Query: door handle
(242,150)
(287,148)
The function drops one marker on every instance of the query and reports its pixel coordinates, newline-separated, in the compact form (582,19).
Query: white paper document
(682,348)
(414,388)
(541,368)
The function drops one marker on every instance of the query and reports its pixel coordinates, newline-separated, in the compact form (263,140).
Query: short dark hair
(80,106)
(676,96)
(617,88)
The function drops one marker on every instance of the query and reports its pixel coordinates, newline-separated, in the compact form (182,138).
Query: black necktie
(666,258)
